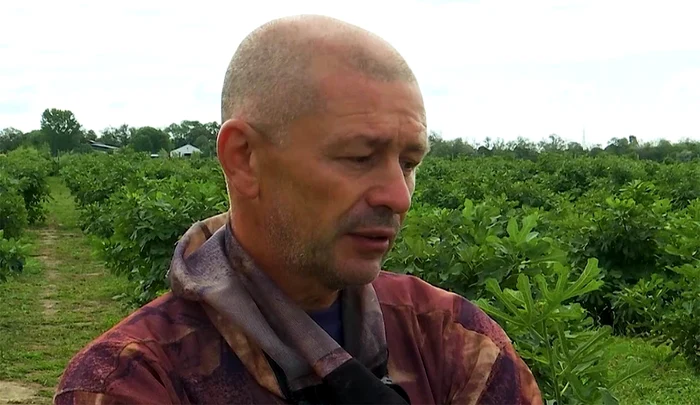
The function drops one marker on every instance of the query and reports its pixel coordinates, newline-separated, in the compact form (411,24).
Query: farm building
(186,150)
(102,147)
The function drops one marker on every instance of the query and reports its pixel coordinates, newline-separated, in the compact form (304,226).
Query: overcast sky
(500,69)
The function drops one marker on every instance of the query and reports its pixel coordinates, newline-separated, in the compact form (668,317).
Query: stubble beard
(310,256)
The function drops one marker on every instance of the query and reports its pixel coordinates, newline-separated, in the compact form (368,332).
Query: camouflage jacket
(442,350)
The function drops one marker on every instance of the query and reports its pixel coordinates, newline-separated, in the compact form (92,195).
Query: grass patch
(62,212)
(670,382)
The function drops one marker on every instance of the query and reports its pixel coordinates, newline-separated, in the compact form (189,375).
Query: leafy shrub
(13,254)
(621,230)
(555,336)
(13,214)
(460,249)
(680,319)
(30,169)
(680,183)
(150,220)
(667,310)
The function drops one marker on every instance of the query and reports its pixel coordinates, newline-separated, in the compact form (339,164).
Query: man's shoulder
(465,355)
(163,320)
(411,296)
(141,338)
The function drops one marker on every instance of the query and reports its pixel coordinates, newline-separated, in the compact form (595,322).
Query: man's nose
(391,189)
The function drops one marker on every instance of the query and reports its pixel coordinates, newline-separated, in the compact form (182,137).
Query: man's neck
(306,292)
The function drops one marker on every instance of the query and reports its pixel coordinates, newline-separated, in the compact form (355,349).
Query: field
(590,263)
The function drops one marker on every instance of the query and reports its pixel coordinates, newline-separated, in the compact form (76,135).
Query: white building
(186,150)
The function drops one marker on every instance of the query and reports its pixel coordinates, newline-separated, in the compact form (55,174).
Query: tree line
(658,151)
(60,132)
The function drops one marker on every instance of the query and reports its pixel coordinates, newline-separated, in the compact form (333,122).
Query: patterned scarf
(257,319)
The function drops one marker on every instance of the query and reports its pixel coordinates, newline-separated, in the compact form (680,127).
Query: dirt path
(50,264)
(12,392)
(16,393)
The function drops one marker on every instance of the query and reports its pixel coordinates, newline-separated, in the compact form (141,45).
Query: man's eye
(409,166)
(359,159)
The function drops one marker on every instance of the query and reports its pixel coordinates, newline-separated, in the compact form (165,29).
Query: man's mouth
(373,240)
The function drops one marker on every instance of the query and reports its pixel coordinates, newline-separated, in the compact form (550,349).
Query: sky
(588,71)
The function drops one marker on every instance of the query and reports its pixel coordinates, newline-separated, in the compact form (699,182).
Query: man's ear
(235,153)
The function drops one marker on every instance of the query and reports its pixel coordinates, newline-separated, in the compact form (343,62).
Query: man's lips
(375,233)
(374,240)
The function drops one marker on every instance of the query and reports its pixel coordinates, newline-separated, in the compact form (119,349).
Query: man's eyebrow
(366,139)
(374,141)
(419,147)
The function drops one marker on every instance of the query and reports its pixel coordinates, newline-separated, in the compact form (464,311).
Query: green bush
(13,213)
(460,249)
(30,169)
(149,222)
(621,230)
(555,336)
(13,254)
(666,307)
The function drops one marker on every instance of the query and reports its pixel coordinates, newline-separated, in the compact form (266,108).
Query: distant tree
(595,151)
(632,140)
(555,144)
(120,136)
(666,149)
(622,146)
(10,139)
(499,146)
(201,142)
(90,135)
(654,152)
(149,139)
(461,148)
(124,134)
(36,139)
(188,132)
(575,148)
(108,138)
(684,156)
(448,148)
(62,130)
(213,129)
(438,147)
(484,151)
(523,149)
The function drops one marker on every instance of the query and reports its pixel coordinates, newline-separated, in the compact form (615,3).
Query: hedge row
(138,207)
(23,194)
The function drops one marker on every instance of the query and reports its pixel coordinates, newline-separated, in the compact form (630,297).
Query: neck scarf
(255,316)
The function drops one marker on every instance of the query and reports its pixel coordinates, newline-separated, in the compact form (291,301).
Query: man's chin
(357,275)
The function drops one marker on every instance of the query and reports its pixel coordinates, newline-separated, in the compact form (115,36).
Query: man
(282,299)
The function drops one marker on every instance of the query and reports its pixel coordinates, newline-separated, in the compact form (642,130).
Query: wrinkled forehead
(374,113)
(347,90)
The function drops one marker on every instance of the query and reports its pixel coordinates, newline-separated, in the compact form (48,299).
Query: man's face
(335,195)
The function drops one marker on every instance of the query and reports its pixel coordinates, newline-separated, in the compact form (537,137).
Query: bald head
(272,78)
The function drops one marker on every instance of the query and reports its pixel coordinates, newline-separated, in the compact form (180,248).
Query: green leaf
(608,398)
(512,229)
(524,287)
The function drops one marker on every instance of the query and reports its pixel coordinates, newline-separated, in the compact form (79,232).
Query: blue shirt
(330,319)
